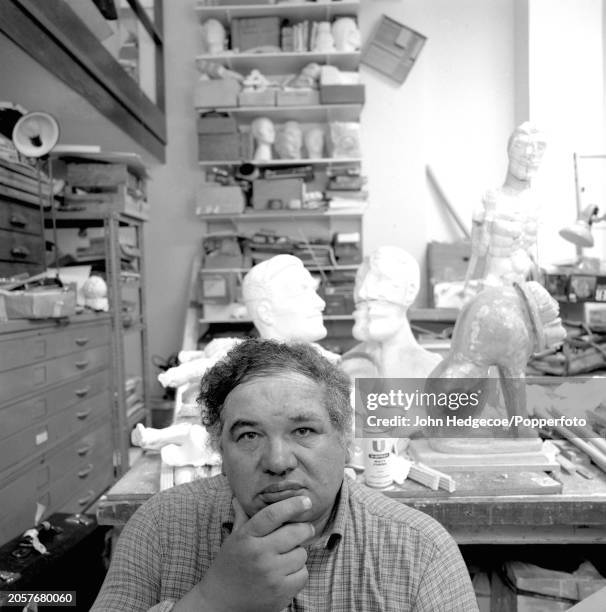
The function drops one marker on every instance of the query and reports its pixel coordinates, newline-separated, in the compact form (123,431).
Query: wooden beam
(66,62)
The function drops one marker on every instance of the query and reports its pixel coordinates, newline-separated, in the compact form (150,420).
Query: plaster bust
(214,40)
(281,299)
(504,229)
(346,34)
(387,283)
(264,133)
(289,141)
(314,142)
(323,41)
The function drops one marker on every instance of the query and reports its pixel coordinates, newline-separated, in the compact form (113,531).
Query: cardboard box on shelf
(297,97)
(224,147)
(264,97)
(217,287)
(213,93)
(40,303)
(214,199)
(214,122)
(343,94)
(283,190)
(248,33)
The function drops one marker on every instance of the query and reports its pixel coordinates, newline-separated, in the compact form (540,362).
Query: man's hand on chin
(261,565)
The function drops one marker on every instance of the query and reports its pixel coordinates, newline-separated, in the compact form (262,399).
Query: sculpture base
(486,446)
(539,460)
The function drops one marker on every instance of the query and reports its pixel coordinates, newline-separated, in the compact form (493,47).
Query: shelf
(310,268)
(226,320)
(283,62)
(92,219)
(319,113)
(447,315)
(318,161)
(284,214)
(294,11)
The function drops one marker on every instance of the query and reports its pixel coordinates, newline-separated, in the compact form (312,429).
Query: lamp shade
(35,134)
(578,233)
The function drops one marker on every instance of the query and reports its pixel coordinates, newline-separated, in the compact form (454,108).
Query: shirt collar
(334,529)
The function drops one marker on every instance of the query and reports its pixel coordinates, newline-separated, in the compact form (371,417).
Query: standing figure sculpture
(504,231)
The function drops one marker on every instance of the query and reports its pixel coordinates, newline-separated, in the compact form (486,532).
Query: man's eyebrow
(242,423)
(306,417)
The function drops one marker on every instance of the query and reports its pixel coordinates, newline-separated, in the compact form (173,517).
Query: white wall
(454,113)
(566,96)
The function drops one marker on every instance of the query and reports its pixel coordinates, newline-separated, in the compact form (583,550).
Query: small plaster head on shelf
(264,133)
(289,141)
(346,34)
(314,142)
(94,291)
(214,39)
(281,298)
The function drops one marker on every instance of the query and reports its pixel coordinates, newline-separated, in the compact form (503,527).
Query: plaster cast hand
(150,438)
(262,561)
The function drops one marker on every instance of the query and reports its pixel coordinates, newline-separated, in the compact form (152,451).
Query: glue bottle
(377,468)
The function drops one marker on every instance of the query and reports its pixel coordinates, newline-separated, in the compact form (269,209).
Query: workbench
(576,515)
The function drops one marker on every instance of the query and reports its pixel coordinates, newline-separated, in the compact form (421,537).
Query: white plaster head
(525,150)
(314,142)
(263,130)
(281,299)
(346,34)
(387,283)
(289,141)
(213,37)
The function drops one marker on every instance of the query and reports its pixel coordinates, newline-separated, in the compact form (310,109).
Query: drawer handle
(20,251)
(83,414)
(17,220)
(82,392)
(82,364)
(84,500)
(84,450)
(86,471)
(81,341)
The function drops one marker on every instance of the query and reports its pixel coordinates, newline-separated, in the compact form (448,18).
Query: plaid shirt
(375,555)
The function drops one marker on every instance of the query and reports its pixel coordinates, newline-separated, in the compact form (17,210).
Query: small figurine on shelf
(214,39)
(214,70)
(94,291)
(321,37)
(346,34)
(289,141)
(255,80)
(308,78)
(264,133)
(314,142)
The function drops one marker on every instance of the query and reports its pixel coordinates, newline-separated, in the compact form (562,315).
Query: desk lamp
(579,233)
(35,135)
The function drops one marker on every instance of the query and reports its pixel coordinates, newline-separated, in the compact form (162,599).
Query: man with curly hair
(282,528)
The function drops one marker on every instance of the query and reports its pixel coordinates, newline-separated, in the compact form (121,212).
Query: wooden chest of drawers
(56,432)
(22,246)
